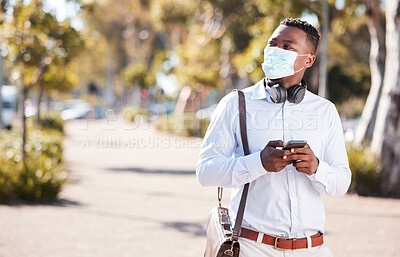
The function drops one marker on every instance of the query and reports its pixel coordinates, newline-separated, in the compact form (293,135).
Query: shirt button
(292,194)
(294,218)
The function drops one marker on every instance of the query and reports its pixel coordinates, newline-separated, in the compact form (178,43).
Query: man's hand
(307,163)
(272,159)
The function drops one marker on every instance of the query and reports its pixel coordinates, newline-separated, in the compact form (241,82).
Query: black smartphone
(294,144)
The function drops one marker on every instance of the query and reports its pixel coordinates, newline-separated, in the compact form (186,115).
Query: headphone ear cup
(278,94)
(296,93)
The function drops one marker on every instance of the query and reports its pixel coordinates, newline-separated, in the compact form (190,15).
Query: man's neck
(287,83)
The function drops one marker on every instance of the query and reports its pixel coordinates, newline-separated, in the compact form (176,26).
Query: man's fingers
(301,164)
(304,170)
(295,157)
(304,150)
(300,150)
(283,165)
(284,153)
(276,143)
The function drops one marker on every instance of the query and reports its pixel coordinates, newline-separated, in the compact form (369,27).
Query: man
(284,213)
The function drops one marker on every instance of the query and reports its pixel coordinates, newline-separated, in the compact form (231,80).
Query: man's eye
(271,43)
(288,47)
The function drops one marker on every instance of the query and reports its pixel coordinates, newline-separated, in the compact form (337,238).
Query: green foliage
(204,123)
(352,107)
(348,66)
(197,63)
(51,120)
(186,125)
(249,62)
(44,176)
(164,13)
(160,58)
(217,41)
(130,113)
(366,171)
(138,74)
(38,44)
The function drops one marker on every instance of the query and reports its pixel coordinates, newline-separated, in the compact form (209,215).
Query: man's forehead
(287,33)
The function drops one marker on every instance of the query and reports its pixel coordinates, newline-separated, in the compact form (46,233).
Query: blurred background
(121,92)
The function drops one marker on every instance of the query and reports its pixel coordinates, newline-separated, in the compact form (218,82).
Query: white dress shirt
(285,203)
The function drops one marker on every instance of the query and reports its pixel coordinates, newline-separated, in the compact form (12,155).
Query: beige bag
(219,234)
(221,240)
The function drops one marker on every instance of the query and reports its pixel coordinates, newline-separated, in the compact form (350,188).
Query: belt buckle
(276,242)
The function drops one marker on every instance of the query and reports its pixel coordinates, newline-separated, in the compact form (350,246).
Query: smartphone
(294,144)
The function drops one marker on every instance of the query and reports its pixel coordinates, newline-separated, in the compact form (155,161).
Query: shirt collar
(260,92)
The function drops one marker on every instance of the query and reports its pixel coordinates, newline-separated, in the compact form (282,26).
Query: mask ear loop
(303,66)
(299,70)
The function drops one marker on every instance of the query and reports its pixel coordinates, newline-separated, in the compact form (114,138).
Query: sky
(64,10)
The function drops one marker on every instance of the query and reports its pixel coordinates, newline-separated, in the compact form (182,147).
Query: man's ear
(310,61)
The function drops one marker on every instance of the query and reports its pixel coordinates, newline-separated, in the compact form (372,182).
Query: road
(132,191)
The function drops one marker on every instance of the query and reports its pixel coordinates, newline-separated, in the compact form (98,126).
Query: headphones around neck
(279,94)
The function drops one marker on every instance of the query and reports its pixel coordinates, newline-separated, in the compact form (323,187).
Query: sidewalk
(133,192)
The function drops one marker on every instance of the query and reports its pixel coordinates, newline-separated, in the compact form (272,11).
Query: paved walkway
(132,192)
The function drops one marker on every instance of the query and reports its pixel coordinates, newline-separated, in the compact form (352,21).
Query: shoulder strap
(242,120)
(243,133)
(245,143)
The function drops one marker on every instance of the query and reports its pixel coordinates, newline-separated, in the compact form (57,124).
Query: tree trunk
(24,132)
(1,84)
(39,100)
(376,30)
(323,51)
(110,72)
(386,138)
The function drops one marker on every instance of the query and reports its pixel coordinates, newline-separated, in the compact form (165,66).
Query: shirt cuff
(320,174)
(254,165)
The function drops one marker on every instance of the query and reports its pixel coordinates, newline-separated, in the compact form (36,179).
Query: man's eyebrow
(288,41)
(285,40)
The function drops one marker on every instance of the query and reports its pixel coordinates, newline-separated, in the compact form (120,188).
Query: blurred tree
(240,30)
(60,77)
(105,22)
(91,64)
(219,43)
(348,66)
(137,74)
(386,137)
(376,28)
(126,37)
(37,43)
(198,60)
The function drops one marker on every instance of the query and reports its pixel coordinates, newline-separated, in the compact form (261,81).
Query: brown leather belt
(283,243)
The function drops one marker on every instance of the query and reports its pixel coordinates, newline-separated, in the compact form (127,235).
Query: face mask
(279,63)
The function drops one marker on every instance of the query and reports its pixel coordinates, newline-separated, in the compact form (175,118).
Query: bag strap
(242,120)
(243,134)
(245,143)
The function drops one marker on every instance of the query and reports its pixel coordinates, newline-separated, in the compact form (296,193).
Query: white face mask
(279,63)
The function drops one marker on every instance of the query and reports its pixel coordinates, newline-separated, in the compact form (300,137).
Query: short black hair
(312,33)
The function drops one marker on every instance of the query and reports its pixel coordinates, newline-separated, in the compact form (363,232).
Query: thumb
(276,143)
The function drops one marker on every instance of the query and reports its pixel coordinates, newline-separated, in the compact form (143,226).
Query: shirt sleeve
(333,175)
(217,165)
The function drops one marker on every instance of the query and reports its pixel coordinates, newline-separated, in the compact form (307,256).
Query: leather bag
(222,241)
